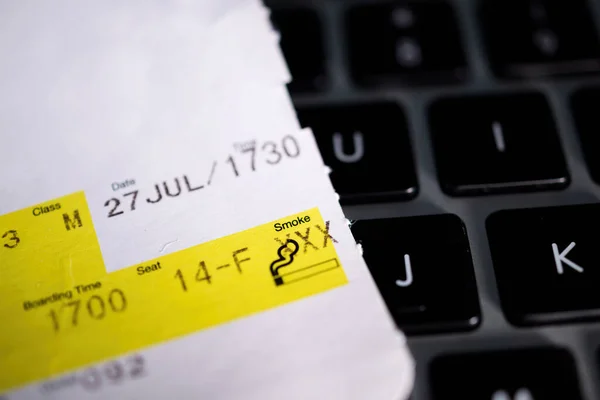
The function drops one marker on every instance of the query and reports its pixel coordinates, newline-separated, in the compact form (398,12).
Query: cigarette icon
(291,274)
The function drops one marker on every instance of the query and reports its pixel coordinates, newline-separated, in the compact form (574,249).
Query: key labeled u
(408,273)
(357,144)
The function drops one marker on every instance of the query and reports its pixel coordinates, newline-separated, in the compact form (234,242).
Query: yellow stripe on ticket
(61,310)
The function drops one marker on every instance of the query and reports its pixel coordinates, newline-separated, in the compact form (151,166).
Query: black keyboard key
(545,260)
(302,46)
(528,38)
(368,149)
(585,110)
(423,269)
(540,373)
(404,42)
(495,144)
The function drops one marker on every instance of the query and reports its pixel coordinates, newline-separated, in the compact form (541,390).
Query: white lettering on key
(500,395)
(498,136)
(408,53)
(359,148)
(521,394)
(409,275)
(546,41)
(403,18)
(560,258)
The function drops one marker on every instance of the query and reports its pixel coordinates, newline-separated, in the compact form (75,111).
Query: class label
(61,310)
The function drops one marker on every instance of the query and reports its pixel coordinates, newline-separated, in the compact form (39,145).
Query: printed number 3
(274,151)
(13,239)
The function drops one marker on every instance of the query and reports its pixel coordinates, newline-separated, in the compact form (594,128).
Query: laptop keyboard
(584,107)
(415,42)
(462,137)
(424,271)
(552,250)
(302,45)
(542,38)
(529,374)
(496,144)
(368,164)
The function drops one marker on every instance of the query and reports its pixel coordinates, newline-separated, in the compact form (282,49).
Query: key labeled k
(560,258)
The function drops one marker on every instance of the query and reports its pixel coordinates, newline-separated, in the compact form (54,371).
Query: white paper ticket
(159,243)
(239,299)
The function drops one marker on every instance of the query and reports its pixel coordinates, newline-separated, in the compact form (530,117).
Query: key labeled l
(560,258)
